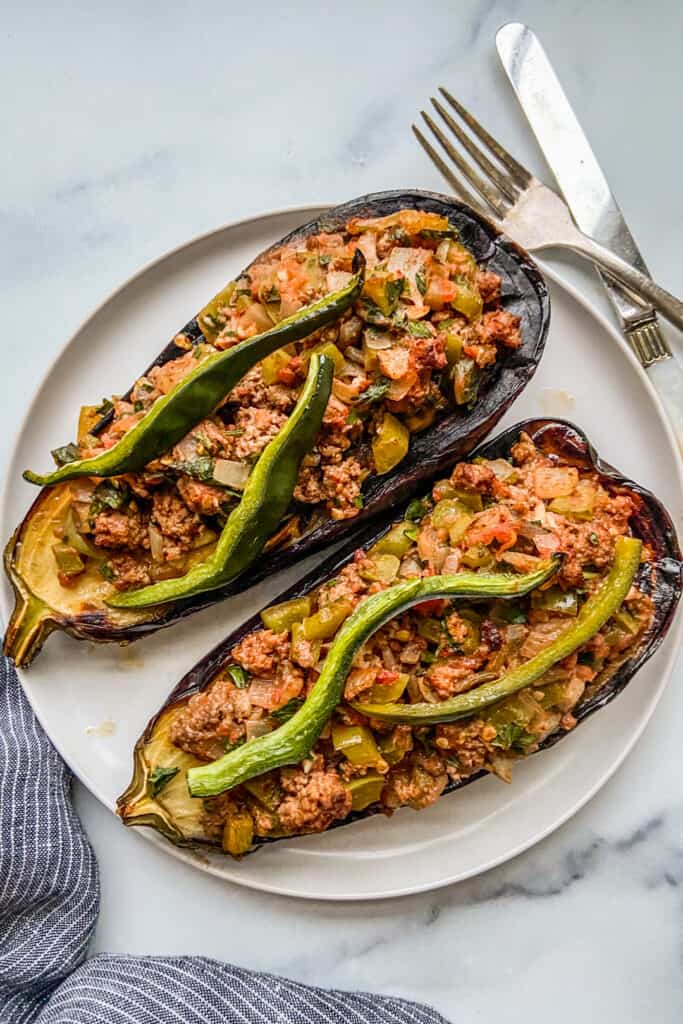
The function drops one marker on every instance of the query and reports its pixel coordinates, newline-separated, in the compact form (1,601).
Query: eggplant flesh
(42,605)
(178,817)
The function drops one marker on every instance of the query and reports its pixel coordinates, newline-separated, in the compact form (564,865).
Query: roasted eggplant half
(440,330)
(446,690)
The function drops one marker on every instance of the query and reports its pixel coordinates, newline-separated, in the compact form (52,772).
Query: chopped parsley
(375,391)
(67,453)
(415,511)
(200,468)
(593,539)
(107,572)
(160,777)
(108,494)
(421,282)
(393,291)
(373,314)
(105,407)
(449,232)
(287,710)
(417,329)
(138,406)
(239,676)
(358,501)
(514,737)
(272,294)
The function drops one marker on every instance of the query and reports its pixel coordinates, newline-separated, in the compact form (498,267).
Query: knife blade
(591,201)
(570,158)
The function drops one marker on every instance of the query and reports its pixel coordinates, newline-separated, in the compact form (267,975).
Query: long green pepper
(593,615)
(266,498)
(197,395)
(296,738)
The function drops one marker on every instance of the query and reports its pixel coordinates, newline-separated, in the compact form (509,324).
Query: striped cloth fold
(49,901)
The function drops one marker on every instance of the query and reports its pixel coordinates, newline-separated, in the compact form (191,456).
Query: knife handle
(644,287)
(666,377)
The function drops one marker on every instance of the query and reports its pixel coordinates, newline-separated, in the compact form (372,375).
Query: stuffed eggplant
(434,323)
(482,625)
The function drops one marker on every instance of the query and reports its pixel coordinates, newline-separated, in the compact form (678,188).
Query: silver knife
(590,199)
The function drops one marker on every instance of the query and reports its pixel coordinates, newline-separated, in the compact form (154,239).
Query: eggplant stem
(29,627)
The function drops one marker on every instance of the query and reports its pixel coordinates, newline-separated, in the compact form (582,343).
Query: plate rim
(672,643)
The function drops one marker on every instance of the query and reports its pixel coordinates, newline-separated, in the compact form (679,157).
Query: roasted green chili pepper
(296,738)
(266,498)
(198,394)
(599,607)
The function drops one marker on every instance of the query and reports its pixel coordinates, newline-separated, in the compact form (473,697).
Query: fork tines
(501,183)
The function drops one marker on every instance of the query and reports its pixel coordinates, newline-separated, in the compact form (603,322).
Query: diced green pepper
(365,790)
(468,301)
(379,694)
(69,561)
(465,381)
(578,505)
(280,617)
(627,621)
(381,568)
(446,513)
(430,629)
(390,444)
(238,833)
(555,599)
(459,527)
(398,541)
(325,348)
(472,500)
(478,556)
(453,348)
(76,540)
(87,418)
(554,695)
(357,744)
(266,790)
(299,637)
(384,290)
(327,620)
(272,364)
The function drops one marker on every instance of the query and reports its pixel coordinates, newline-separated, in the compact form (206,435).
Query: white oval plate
(94,701)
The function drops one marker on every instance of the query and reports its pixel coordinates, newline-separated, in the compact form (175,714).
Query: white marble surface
(129,128)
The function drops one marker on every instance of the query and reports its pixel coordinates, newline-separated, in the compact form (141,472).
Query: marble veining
(133,128)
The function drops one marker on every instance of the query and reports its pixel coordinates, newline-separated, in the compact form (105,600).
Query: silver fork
(522,206)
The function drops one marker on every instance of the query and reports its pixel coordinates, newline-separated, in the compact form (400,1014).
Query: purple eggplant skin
(661,577)
(524,293)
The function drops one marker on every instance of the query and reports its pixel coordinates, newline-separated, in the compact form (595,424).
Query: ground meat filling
(313,800)
(508,513)
(428,323)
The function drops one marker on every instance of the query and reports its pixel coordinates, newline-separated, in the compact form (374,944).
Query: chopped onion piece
(355,355)
(378,340)
(337,279)
(156,542)
(259,727)
(230,473)
(261,692)
(350,369)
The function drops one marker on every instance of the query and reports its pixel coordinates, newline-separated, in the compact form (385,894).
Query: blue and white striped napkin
(49,901)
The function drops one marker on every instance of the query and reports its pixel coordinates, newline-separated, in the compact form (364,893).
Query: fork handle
(644,287)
